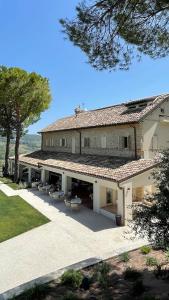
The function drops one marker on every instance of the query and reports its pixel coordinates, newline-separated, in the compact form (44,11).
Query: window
(47,142)
(108,196)
(86,142)
(51,142)
(162,110)
(63,142)
(103,141)
(125,142)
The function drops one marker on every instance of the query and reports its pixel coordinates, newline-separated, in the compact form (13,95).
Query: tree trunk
(17,141)
(8,138)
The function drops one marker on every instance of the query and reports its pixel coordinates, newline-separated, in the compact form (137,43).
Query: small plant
(102,274)
(151,261)
(138,287)
(72,278)
(103,268)
(145,250)
(70,296)
(125,257)
(131,274)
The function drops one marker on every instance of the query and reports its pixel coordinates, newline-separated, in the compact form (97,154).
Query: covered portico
(114,182)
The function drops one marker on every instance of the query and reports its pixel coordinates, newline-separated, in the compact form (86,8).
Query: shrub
(69,296)
(102,274)
(145,250)
(131,274)
(72,278)
(103,268)
(138,287)
(151,261)
(125,257)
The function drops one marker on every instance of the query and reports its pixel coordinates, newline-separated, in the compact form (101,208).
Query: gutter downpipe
(124,203)
(80,142)
(135,141)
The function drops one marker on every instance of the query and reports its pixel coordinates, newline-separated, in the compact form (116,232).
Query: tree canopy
(114,32)
(27,95)
(153,221)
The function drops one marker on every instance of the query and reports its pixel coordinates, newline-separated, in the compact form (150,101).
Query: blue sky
(31,38)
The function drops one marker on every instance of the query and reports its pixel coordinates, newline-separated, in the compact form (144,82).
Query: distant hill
(29,143)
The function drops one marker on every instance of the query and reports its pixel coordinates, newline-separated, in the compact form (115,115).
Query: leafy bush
(125,257)
(138,287)
(69,296)
(72,278)
(151,261)
(131,274)
(145,250)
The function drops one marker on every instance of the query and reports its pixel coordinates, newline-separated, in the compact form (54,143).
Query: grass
(17,216)
(10,183)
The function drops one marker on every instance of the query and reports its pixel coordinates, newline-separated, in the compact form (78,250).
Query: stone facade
(102,141)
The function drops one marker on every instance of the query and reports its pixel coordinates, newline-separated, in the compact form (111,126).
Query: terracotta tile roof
(113,115)
(104,167)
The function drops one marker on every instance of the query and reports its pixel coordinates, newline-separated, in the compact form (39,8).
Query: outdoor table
(46,187)
(76,201)
(57,194)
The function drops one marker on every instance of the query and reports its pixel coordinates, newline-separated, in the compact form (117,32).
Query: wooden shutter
(120,142)
(129,142)
(103,141)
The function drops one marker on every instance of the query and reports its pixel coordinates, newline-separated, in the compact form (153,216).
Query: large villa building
(106,155)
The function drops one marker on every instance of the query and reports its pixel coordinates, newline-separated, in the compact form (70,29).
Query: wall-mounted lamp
(128,189)
(39,166)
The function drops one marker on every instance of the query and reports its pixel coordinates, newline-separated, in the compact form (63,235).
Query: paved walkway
(69,238)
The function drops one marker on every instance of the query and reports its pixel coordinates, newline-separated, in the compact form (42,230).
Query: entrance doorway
(56,179)
(83,190)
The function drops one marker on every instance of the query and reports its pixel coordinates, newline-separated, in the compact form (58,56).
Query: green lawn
(17,216)
(10,183)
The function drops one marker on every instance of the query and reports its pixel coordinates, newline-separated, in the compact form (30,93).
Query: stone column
(128,202)
(120,208)
(29,175)
(96,196)
(64,184)
(43,178)
(124,202)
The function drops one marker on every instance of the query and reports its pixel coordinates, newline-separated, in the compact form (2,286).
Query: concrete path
(69,238)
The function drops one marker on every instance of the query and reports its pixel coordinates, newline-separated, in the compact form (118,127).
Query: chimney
(78,110)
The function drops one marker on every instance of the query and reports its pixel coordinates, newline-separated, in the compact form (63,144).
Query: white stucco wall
(155,131)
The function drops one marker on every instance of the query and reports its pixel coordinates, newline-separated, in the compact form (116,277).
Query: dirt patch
(110,280)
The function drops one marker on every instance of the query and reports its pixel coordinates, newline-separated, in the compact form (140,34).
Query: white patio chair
(35,184)
(67,203)
(40,187)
